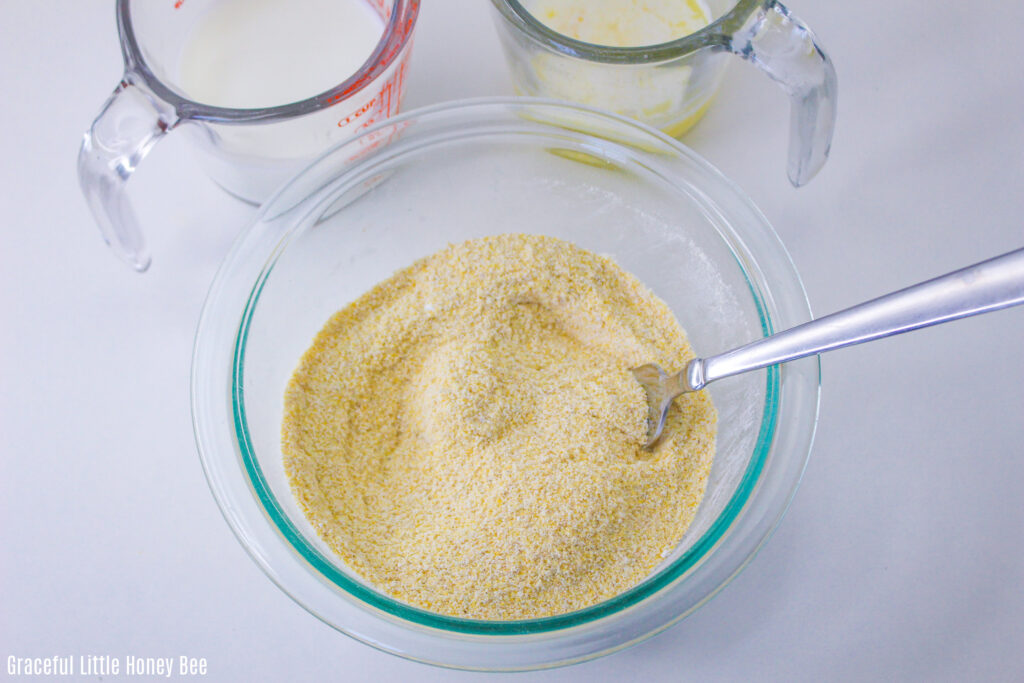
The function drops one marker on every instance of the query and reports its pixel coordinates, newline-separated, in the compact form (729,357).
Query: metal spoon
(986,286)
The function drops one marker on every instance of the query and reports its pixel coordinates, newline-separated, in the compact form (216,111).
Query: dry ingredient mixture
(466,436)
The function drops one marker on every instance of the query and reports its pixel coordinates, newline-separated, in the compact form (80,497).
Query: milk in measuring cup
(261,53)
(670,98)
(245,54)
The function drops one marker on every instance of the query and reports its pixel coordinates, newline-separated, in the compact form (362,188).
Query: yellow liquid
(621,23)
(659,97)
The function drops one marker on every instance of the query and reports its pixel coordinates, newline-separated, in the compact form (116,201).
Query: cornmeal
(466,436)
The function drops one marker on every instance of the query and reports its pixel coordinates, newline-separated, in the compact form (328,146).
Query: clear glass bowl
(405,189)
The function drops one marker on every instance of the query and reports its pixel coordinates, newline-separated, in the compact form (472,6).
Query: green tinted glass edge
(481,627)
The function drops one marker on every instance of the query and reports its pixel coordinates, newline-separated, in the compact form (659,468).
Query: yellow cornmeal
(466,436)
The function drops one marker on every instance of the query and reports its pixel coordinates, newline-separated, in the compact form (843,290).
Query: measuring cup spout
(785,48)
(128,125)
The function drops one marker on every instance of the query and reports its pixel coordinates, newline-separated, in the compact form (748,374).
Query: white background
(902,556)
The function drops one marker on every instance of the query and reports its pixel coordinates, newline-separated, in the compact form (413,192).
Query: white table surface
(902,556)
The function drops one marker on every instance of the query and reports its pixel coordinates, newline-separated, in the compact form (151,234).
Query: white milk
(261,53)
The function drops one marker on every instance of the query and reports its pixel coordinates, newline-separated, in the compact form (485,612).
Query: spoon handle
(986,286)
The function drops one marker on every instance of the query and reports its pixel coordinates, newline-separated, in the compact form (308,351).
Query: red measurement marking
(357,113)
(386,99)
(383,104)
(382,9)
(178,4)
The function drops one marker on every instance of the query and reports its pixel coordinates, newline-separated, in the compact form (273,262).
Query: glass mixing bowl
(409,187)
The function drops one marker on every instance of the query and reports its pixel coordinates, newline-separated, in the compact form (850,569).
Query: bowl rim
(641,591)
(407,615)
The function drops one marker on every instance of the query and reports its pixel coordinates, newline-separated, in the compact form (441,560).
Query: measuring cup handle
(785,48)
(128,125)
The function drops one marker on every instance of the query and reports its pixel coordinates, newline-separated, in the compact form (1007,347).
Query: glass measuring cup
(670,85)
(246,151)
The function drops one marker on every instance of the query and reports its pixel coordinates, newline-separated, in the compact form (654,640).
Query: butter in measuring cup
(621,23)
(671,92)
